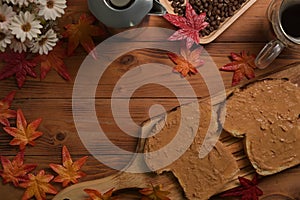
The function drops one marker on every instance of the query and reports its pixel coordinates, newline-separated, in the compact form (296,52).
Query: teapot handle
(157,9)
(268,54)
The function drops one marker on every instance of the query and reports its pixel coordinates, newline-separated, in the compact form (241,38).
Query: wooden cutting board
(281,186)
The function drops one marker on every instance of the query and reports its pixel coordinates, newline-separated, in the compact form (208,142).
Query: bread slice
(199,177)
(267,114)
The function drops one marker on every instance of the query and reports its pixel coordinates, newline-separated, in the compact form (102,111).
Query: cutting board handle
(118,181)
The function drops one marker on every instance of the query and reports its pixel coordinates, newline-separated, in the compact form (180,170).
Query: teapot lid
(120,13)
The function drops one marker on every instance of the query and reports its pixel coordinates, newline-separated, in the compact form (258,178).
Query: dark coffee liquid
(290,20)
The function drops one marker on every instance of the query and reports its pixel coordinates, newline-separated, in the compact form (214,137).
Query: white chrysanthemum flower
(45,43)
(10,1)
(51,9)
(6,15)
(25,26)
(21,2)
(5,39)
(18,46)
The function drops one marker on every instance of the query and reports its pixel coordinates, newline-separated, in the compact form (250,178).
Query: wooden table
(51,98)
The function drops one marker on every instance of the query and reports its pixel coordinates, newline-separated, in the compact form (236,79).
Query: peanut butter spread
(200,178)
(267,113)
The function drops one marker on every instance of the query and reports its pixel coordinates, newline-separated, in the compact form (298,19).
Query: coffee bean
(216,11)
(174,4)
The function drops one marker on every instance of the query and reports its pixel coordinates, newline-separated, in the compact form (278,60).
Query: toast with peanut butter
(200,176)
(266,114)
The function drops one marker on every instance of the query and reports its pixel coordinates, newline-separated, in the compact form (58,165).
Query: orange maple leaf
(187,62)
(69,171)
(243,65)
(38,186)
(15,171)
(5,112)
(96,195)
(24,133)
(54,59)
(154,193)
(81,33)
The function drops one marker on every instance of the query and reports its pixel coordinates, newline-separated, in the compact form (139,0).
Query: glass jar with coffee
(284,16)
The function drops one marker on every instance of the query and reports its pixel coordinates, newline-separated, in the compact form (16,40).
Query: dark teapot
(124,13)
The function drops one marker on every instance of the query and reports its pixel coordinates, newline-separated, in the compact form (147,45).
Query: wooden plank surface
(51,98)
(232,144)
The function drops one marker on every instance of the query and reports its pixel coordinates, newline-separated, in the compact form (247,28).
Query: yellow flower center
(2,18)
(26,27)
(42,41)
(2,36)
(50,4)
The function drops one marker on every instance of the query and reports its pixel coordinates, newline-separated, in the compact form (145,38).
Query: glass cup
(284,16)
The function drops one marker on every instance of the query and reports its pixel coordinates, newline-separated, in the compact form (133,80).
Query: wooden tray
(213,35)
(271,185)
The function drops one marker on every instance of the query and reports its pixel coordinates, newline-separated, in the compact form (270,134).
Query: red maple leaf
(15,171)
(247,191)
(19,65)
(24,133)
(5,112)
(37,186)
(54,59)
(243,65)
(190,25)
(81,33)
(69,171)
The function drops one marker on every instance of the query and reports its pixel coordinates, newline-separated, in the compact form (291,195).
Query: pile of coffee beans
(216,11)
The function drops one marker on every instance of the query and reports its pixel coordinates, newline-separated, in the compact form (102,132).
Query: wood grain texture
(51,98)
(234,145)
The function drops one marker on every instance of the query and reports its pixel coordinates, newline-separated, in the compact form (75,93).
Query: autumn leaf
(15,171)
(5,112)
(81,33)
(243,65)
(154,193)
(247,191)
(96,195)
(69,170)
(192,56)
(17,64)
(24,133)
(54,60)
(187,62)
(38,186)
(190,25)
